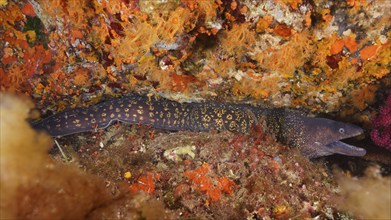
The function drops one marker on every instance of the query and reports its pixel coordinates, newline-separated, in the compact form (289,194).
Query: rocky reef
(327,57)
(323,55)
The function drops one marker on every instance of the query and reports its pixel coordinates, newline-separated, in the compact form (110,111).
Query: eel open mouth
(339,147)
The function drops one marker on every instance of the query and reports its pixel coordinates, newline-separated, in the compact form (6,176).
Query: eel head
(322,137)
(316,137)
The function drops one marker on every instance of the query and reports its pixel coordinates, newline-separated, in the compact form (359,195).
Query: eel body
(314,136)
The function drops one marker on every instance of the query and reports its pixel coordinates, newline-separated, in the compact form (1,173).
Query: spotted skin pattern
(156,112)
(313,136)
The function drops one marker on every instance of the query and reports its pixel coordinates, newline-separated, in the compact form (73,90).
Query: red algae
(145,183)
(381,125)
(203,180)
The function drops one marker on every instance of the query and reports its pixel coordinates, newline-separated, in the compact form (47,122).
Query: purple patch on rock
(381,125)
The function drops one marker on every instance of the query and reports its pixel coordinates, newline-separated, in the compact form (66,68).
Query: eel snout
(339,147)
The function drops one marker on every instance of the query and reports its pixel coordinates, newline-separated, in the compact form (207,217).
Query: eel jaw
(339,147)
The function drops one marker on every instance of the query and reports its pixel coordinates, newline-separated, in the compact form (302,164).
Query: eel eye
(341,130)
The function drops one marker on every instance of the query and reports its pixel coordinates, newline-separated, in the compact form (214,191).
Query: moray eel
(314,137)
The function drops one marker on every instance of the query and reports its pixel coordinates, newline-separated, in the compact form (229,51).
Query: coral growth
(34,186)
(367,197)
(210,175)
(145,183)
(203,180)
(288,53)
(321,55)
(381,125)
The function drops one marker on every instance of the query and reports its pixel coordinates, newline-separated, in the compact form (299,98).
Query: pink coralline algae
(381,124)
